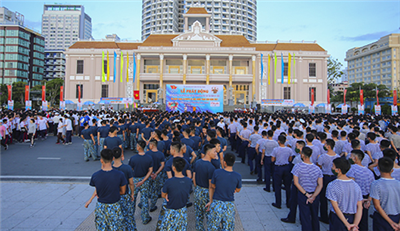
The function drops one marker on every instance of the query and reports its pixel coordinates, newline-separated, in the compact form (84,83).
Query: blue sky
(336,25)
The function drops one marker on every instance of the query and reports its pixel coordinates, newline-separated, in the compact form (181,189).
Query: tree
(53,91)
(334,70)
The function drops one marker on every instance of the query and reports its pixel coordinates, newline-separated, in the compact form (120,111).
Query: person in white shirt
(43,125)
(68,129)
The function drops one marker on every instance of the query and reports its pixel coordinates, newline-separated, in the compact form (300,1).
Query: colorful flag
(269,70)
(262,69)
(395,98)
(127,67)
(361,97)
(26,92)
(9,89)
(108,68)
(294,67)
(122,66)
(61,93)
(44,93)
(275,61)
(103,75)
(115,66)
(312,96)
(136,95)
(289,66)
(134,69)
(283,68)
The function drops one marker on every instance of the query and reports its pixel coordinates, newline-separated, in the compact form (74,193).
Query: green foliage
(353,92)
(334,70)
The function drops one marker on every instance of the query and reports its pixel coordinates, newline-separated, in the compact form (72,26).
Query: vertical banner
(311,109)
(134,68)
(79,93)
(294,67)
(394,106)
(329,97)
(122,66)
(289,66)
(344,109)
(262,69)
(108,68)
(328,108)
(312,96)
(61,93)
(103,75)
(377,97)
(79,106)
(344,96)
(9,90)
(275,61)
(26,92)
(62,105)
(361,109)
(10,105)
(43,93)
(28,105)
(44,105)
(328,105)
(127,67)
(377,109)
(269,69)
(115,66)
(361,97)
(283,68)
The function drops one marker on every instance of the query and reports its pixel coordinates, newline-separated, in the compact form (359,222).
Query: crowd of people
(332,167)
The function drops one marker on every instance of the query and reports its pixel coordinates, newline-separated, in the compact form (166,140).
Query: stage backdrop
(195,98)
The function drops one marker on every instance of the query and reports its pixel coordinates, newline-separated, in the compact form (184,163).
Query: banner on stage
(195,98)
(377,109)
(28,105)
(277,102)
(394,110)
(117,100)
(311,109)
(328,108)
(44,105)
(62,105)
(79,106)
(361,109)
(10,104)
(344,109)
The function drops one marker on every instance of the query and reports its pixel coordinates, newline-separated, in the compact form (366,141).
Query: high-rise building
(21,55)
(227,17)
(62,26)
(7,16)
(377,62)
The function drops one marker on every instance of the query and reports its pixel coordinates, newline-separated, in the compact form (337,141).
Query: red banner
(395,97)
(312,97)
(344,96)
(43,93)
(361,97)
(61,93)
(377,98)
(26,92)
(136,95)
(9,89)
(329,97)
(79,93)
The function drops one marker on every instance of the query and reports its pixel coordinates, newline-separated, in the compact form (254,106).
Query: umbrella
(321,105)
(298,105)
(88,103)
(103,102)
(68,102)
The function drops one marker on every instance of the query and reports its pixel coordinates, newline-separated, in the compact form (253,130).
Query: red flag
(361,97)
(43,93)
(395,97)
(9,89)
(79,93)
(329,97)
(26,92)
(136,95)
(61,93)
(344,96)
(312,96)
(377,98)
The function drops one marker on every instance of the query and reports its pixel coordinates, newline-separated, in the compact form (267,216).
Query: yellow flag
(294,66)
(127,67)
(108,68)
(122,66)
(269,70)
(289,62)
(103,75)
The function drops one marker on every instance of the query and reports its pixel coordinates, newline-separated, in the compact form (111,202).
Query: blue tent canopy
(321,105)
(68,102)
(299,105)
(88,103)
(340,105)
(103,102)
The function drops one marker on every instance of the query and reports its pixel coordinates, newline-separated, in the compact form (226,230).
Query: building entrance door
(240,97)
(151,96)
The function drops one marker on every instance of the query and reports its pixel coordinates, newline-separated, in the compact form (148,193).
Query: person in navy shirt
(102,133)
(196,141)
(112,141)
(133,128)
(146,132)
(176,192)
(110,184)
(224,183)
(156,177)
(186,140)
(88,140)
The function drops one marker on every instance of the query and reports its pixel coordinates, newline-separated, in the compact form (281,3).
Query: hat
(302,121)
(57,113)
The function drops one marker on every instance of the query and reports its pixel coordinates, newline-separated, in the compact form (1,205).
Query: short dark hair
(176,145)
(107,155)
(355,144)
(360,154)
(154,142)
(229,158)
(211,133)
(282,139)
(343,164)
(270,133)
(330,143)
(385,164)
(306,151)
(371,135)
(215,141)
(113,129)
(301,143)
(209,146)
(390,153)
(141,144)
(179,163)
(385,144)
(309,137)
(117,152)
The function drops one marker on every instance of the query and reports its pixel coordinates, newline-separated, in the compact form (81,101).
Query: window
(79,66)
(285,69)
(286,93)
(312,70)
(77,91)
(105,66)
(309,93)
(104,91)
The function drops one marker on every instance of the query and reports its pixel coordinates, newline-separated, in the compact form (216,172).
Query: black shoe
(267,190)
(287,220)
(259,181)
(189,204)
(145,223)
(276,206)
(323,221)
(243,161)
(252,172)
(153,209)
(87,160)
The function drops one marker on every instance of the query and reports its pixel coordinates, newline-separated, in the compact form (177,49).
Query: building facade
(21,55)
(197,57)
(226,17)
(9,17)
(339,87)
(377,62)
(54,66)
